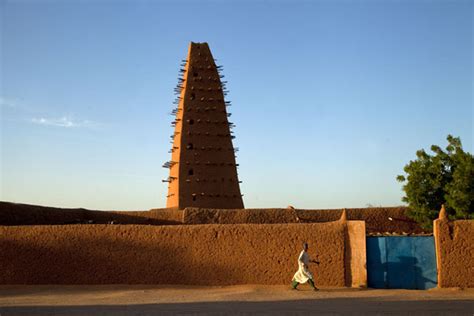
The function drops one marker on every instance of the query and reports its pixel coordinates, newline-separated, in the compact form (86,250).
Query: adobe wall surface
(356,254)
(238,216)
(193,254)
(25,214)
(455,252)
(378,219)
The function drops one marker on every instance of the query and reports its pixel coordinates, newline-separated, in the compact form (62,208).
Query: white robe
(303,274)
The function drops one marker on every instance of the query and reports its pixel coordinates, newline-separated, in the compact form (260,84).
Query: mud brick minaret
(203,172)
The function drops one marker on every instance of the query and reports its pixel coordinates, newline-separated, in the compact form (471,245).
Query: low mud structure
(44,245)
(379,220)
(194,254)
(13,214)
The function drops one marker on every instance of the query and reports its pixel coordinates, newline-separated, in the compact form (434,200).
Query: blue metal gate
(401,262)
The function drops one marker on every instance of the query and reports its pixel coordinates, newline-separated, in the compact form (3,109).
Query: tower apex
(203,170)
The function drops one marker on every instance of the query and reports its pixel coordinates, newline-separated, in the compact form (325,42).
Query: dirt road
(242,299)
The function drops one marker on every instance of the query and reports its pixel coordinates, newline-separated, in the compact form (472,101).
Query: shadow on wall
(105,261)
(198,255)
(13,214)
(378,220)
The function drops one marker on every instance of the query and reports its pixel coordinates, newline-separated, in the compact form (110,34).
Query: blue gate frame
(401,262)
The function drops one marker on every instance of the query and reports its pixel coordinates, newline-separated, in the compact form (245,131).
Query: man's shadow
(407,273)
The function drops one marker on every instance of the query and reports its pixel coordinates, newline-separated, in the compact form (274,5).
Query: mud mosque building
(203,171)
(206,231)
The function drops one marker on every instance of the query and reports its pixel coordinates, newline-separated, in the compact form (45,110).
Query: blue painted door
(401,262)
(426,273)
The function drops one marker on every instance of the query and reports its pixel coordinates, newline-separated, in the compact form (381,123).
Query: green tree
(447,177)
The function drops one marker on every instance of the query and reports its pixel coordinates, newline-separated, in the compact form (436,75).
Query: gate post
(438,225)
(355,253)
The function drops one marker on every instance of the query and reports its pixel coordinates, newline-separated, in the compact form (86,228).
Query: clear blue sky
(331,98)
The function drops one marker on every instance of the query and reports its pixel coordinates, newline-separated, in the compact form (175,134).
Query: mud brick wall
(455,252)
(239,216)
(378,219)
(356,254)
(176,254)
(25,214)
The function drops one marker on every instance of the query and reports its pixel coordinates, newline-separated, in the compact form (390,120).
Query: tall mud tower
(203,172)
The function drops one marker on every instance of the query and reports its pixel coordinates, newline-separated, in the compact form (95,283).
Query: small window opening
(193,96)
(190,172)
(191,121)
(194,198)
(189,146)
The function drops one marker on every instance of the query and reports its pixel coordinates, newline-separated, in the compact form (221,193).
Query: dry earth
(225,300)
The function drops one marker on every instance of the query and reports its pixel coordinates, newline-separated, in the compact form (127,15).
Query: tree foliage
(447,177)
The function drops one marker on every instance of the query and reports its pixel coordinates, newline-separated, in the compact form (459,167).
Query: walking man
(303,274)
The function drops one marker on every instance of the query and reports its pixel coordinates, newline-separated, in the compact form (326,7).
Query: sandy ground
(225,300)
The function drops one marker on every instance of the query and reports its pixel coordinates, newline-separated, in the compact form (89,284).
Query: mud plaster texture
(455,253)
(355,254)
(377,219)
(197,254)
(203,170)
(25,214)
